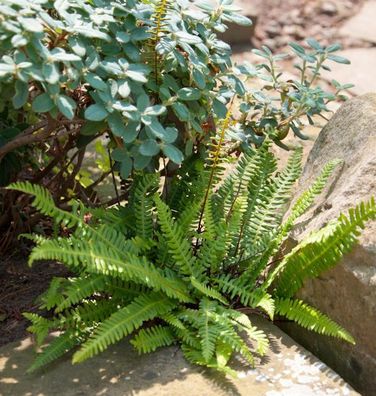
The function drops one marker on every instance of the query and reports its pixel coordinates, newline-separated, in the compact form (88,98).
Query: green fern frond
(143,204)
(215,169)
(123,322)
(53,296)
(99,259)
(187,221)
(321,250)
(90,313)
(253,332)
(311,318)
(306,199)
(229,336)
(303,202)
(152,338)
(207,330)
(258,168)
(45,204)
(188,337)
(80,288)
(40,326)
(208,291)
(269,213)
(178,246)
(173,321)
(58,347)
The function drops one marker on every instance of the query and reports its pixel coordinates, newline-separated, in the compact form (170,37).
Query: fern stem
(214,166)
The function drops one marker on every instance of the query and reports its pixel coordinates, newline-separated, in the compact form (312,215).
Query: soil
(20,287)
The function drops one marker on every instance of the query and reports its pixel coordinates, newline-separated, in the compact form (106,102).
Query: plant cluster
(193,248)
(184,267)
(147,79)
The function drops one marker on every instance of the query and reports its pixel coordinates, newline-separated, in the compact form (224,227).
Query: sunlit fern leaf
(306,199)
(58,347)
(187,184)
(124,322)
(188,337)
(229,336)
(253,333)
(123,291)
(178,246)
(143,205)
(300,206)
(208,291)
(99,259)
(214,163)
(187,220)
(269,213)
(207,329)
(89,313)
(260,167)
(44,202)
(260,230)
(80,288)
(194,356)
(321,250)
(149,339)
(311,318)
(257,298)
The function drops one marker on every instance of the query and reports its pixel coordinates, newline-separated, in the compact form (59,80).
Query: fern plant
(180,267)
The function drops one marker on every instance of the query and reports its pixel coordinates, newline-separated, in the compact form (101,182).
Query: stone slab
(347,292)
(287,370)
(362,26)
(361,72)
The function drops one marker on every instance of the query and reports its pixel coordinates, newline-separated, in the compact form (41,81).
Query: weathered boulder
(287,370)
(348,292)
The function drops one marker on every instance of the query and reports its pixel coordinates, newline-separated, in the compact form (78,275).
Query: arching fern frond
(321,250)
(143,203)
(58,347)
(44,202)
(124,322)
(79,288)
(99,259)
(311,318)
(178,246)
(208,291)
(303,202)
(152,338)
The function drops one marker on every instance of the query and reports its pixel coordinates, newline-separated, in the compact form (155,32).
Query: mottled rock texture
(348,292)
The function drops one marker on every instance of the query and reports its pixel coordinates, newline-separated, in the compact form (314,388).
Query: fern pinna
(180,269)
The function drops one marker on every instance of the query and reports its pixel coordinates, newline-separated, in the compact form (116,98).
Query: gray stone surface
(361,72)
(348,292)
(288,370)
(362,25)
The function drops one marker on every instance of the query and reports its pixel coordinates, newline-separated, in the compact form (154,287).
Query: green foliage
(163,275)
(154,73)
(147,82)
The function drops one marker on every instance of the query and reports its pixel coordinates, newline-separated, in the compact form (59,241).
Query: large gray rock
(348,292)
(287,370)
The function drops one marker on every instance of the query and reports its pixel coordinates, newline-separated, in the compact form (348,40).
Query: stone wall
(346,293)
